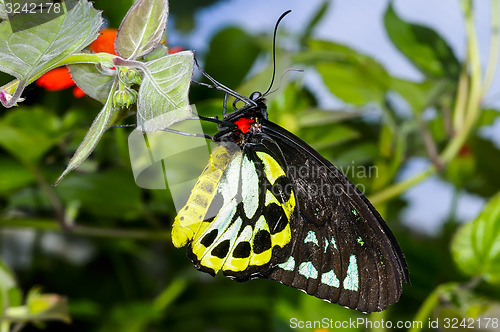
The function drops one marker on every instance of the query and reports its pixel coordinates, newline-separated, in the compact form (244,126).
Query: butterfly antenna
(221,87)
(274,50)
(282,76)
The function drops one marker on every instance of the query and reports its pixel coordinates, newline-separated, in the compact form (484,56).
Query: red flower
(175,49)
(56,79)
(78,93)
(105,42)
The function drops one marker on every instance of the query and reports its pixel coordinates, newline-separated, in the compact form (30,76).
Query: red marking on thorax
(244,124)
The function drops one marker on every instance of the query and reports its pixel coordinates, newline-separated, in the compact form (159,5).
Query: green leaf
(14,175)
(322,139)
(351,76)
(165,88)
(142,28)
(318,117)
(486,157)
(119,196)
(318,16)
(29,133)
(487,117)
(39,307)
(158,52)
(29,53)
(3,11)
(476,245)
(7,280)
(415,93)
(9,292)
(426,49)
(94,134)
(94,83)
(47,306)
(232,53)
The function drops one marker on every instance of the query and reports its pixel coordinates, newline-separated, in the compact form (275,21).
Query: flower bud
(124,97)
(129,76)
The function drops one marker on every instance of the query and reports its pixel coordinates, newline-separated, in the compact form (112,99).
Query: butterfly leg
(224,106)
(178,132)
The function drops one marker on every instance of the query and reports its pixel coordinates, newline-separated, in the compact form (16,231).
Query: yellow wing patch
(271,167)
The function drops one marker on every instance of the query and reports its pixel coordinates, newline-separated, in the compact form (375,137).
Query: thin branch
(494,47)
(50,225)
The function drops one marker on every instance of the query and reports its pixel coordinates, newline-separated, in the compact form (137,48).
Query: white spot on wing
(330,278)
(289,265)
(231,179)
(311,237)
(249,187)
(308,270)
(351,281)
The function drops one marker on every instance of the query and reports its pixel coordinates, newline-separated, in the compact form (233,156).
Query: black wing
(342,250)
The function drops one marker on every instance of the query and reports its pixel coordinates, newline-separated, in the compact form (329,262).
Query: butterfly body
(269,206)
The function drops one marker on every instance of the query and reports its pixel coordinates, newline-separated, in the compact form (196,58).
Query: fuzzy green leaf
(92,81)
(142,29)
(165,88)
(3,11)
(29,53)
(99,126)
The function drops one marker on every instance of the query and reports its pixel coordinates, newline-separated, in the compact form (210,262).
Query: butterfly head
(244,121)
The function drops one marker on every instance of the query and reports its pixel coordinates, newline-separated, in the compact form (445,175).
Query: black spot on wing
(221,249)
(275,217)
(242,250)
(282,189)
(261,241)
(209,238)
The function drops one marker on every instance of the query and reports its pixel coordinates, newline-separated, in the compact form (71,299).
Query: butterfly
(268,205)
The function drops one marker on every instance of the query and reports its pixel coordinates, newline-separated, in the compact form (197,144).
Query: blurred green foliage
(116,265)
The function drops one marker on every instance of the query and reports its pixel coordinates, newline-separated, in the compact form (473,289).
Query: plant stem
(430,303)
(494,47)
(51,195)
(50,225)
(461,100)
(467,107)
(89,58)
(4,326)
(169,294)
(400,187)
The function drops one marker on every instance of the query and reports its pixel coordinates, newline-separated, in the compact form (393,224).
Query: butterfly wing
(277,209)
(342,250)
(232,221)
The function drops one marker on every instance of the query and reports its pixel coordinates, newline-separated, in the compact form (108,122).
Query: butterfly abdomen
(191,216)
